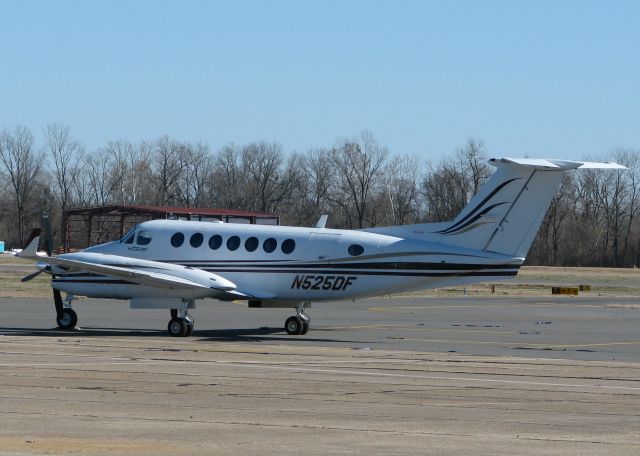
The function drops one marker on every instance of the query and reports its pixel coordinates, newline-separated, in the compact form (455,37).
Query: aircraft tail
(504,216)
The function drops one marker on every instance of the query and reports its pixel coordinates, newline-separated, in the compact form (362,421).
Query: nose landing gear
(298,324)
(66,317)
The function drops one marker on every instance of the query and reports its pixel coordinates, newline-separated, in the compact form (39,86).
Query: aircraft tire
(177,327)
(305,327)
(293,326)
(68,319)
(189,329)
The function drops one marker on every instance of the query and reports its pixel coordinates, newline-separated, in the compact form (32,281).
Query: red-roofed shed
(97,224)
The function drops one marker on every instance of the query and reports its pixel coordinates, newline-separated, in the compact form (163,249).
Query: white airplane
(170,264)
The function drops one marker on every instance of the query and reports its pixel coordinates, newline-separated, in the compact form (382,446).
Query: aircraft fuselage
(289,263)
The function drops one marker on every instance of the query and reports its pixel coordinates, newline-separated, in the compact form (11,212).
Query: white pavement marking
(261,365)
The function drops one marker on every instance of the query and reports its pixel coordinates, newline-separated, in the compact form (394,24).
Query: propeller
(33,275)
(43,266)
(48,242)
(45,223)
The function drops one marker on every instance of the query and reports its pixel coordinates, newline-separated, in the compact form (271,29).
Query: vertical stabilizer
(505,215)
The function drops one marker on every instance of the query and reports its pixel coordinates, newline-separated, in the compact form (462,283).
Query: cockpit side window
(144,237)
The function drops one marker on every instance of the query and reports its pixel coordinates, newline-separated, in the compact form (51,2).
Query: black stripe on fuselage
(95,280)
(370,273)
(392,265)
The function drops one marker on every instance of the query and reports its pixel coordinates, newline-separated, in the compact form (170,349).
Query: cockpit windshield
(128,238)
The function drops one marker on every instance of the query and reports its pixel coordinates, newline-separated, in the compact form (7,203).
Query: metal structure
(97,224)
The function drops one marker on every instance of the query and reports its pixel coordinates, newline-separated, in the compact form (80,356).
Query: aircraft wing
(143,272)
(151,278)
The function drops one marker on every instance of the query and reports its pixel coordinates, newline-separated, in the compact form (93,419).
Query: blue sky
(544,78)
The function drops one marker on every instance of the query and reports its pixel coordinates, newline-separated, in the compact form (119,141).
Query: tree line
(358,182)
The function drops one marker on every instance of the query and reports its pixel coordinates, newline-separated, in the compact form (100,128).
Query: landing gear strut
(181,323)
(298,324)
(66,317)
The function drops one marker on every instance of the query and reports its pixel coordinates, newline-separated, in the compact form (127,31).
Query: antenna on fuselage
(322,221)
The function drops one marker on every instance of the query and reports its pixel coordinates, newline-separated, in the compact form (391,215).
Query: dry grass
(12,269)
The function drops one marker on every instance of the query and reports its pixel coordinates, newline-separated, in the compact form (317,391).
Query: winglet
(31,251)
(322,221)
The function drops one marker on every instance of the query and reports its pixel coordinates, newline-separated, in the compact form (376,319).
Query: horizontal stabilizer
(555,164)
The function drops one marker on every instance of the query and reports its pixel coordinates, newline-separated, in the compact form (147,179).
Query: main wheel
(177,327)
(68,319)
(189,329)
(305,327)
(293,326)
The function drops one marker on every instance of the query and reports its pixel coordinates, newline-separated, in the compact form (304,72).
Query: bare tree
(269,182)
(448,187)
(22,166)
(96,183)
(127,179)
(630,159)
(401,188)
(197,175)
(63,153)
(313,188)
(168,166)
(359,164)
(229,180)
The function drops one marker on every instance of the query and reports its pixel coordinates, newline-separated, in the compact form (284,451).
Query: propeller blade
(46,231)
(57,300)
(32,275)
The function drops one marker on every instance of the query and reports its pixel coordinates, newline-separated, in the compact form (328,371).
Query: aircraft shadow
(213,335)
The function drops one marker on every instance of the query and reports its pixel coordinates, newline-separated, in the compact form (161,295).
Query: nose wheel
(298,324)
(67,319)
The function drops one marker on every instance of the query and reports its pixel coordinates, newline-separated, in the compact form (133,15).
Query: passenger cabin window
(355,250)
(270,245)
(144,237)
(177,239)
(196,240)
(288,246)
(215,242)
(251,244)
(233,243)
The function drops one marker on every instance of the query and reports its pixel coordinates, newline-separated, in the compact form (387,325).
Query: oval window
(233,243)
(177,239)
(288,246)
(251,244)
(355,249)
(270,245)
(215,242)
(196,239)
(144,237)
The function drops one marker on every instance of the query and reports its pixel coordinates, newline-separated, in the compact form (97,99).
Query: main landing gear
(298,324)
(181,323)
(66,317)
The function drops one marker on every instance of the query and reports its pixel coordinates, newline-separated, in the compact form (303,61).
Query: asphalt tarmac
(567,327)
(462,375)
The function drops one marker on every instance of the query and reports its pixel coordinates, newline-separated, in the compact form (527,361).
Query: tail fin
(505,215)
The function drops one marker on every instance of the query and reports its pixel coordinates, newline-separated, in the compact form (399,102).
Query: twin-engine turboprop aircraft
(170,264)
